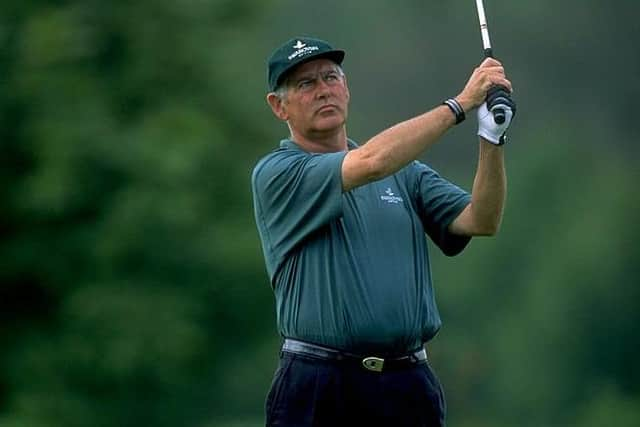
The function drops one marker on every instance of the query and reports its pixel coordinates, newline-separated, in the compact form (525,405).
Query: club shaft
(484,29)
(498,113)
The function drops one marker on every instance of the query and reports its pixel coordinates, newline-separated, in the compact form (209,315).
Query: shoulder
(277,161)
(417,166)
(415,171)
(419,172)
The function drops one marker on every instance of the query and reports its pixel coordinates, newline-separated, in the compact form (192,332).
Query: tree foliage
(132,288)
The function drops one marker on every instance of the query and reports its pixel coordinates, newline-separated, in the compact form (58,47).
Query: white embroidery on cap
(302,49)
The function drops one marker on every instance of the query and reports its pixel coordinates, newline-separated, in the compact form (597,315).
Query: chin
(330,123)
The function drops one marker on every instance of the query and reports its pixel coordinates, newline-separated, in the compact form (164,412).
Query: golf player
(344,230)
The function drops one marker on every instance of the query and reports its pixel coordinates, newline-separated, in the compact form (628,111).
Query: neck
(322,142)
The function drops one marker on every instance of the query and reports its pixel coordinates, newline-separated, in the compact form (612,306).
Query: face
(316,99)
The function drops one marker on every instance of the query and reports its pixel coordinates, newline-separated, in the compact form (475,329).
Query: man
(343,229)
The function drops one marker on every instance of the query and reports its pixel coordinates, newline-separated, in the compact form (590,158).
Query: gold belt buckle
(373,363)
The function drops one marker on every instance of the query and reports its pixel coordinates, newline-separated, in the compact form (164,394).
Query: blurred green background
(132,286)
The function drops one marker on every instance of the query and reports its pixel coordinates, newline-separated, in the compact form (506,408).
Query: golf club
(498,113)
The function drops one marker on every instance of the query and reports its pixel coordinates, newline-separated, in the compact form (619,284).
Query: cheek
(344,94)
(298,109)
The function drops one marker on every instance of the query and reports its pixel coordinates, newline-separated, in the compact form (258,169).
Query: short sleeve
(438,203)
(295,193)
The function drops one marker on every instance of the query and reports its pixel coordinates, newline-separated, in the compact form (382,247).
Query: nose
(323,89)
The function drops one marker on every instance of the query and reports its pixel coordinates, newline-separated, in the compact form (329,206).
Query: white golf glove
(488,128)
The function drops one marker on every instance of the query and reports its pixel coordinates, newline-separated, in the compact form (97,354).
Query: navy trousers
(307,391)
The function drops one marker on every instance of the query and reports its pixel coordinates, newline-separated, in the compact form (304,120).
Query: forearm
(395,147)
(489,189)
(392,149)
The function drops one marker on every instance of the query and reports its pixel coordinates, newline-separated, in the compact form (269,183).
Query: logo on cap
(301,49)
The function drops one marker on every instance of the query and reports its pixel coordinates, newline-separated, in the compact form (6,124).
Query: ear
(277,106)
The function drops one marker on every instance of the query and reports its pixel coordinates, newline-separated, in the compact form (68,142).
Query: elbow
(373,167)
(488,228)
(485,220)
(362,166)
(492,231)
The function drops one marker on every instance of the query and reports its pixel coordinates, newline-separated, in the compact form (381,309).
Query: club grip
(497,92)
(498,114)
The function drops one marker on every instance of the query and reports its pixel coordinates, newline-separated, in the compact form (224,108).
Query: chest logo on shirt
(390,197)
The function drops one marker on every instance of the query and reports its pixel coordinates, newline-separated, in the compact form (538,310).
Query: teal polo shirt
(350,270)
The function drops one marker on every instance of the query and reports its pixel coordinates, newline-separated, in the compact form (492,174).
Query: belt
(372,363)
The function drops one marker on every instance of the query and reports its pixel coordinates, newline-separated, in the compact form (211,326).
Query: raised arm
(482,217)
(393,148)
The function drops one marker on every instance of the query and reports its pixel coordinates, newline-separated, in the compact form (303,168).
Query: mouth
(327,108)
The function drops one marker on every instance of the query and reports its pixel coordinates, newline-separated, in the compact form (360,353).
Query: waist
(370,362)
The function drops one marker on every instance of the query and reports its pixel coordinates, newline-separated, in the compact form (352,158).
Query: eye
(332,76)
(305,84)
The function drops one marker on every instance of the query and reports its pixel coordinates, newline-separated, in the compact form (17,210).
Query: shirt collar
(289,143)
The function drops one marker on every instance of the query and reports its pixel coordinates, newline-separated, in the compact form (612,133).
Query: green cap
(295,52)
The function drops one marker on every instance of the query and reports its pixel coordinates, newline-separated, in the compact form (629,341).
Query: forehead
(312,67)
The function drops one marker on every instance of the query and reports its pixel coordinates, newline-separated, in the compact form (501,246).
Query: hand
(489,73)
(488,128)
(498,95)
